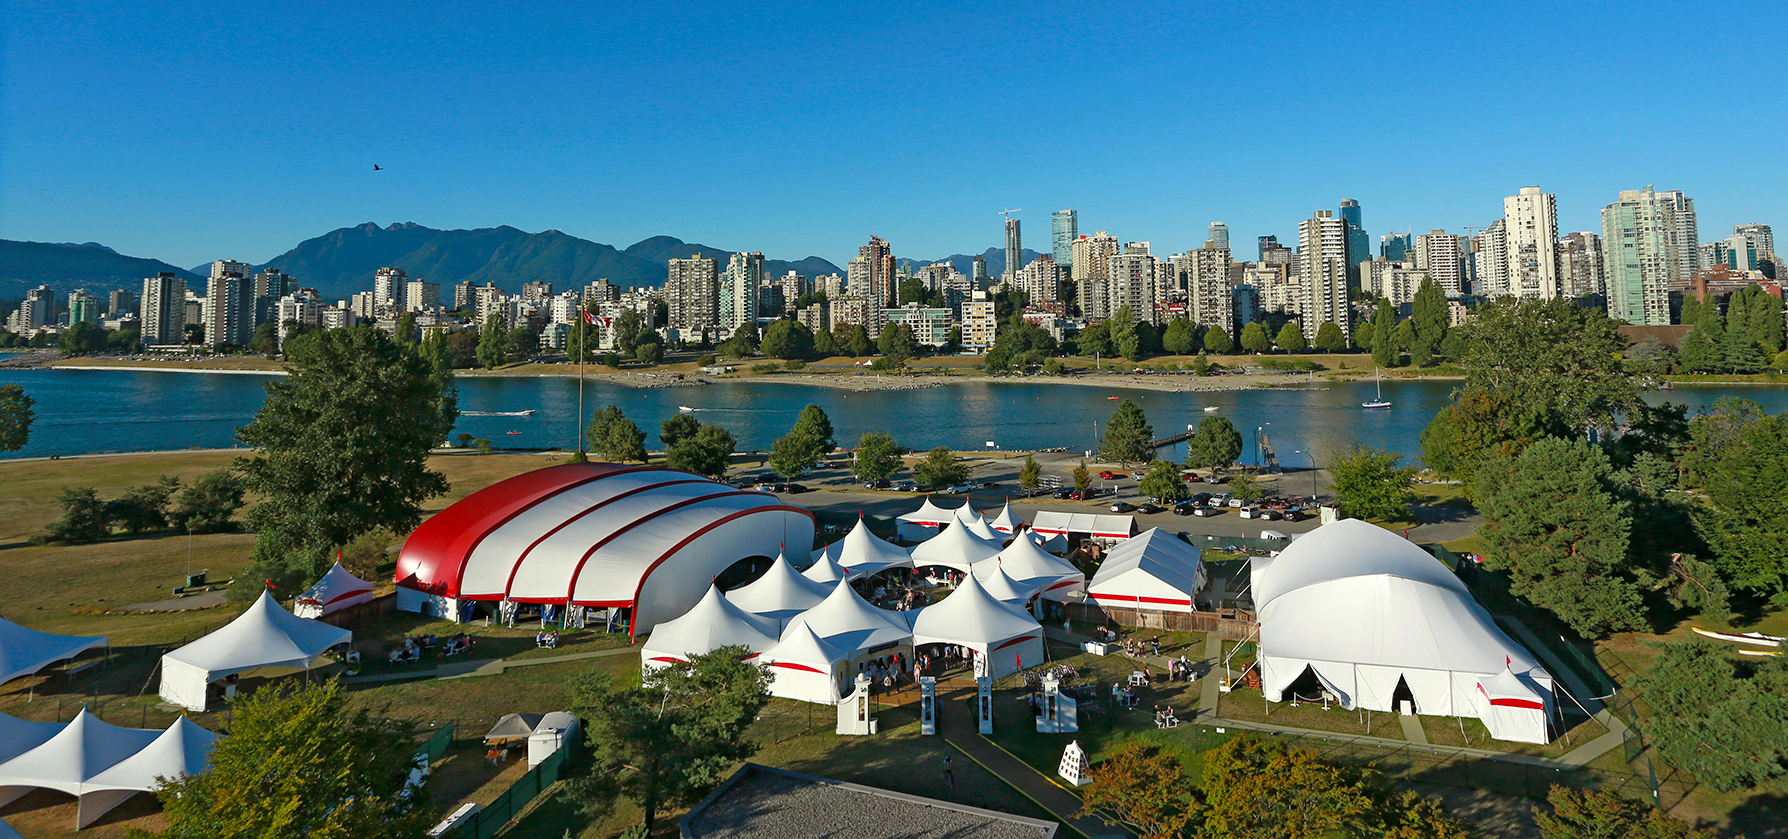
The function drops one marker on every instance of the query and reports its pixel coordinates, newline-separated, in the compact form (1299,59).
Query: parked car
(1219,499)
(1217,479)
(1108,475)
(1122,507)
(1249,512)
(1147,509)
(906,486)
(1236,502)
(792,489)
(881,484)
(1064,492)
(1205,511)
(1200,497)
(1138,475)
(1270,514)
(1191,477)
(1291,515)
(767,478)
(1184,508)
(959,489)
(990,484)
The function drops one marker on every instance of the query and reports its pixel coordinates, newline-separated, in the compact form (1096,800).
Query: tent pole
(1462,734)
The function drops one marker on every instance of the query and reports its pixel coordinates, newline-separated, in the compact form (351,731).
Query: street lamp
(1257,447)
(1312,471)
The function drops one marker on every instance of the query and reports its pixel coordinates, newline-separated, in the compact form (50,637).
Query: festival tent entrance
(863,553)
(1153,571)
(265,641)
(805,667)
(338,589)
(923,523)
(1025,561)
(102,764)
(1380,624)
(956,548)
(26,651)
(780,594)
(1002,636)
(713,623)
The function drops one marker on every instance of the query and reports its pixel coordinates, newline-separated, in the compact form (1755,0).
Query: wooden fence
(1229,624)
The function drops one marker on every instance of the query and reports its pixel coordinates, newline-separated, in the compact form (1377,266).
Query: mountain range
(66,267)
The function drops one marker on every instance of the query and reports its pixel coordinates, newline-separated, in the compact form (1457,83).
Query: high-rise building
(1322,253)
(1438,255)
(691,292)
(120,302)
(422,296)
(1760,237)
(1397,282)
(34,312)
(979,277)
(1219,233)
(1129,281)
(1531,223)
(388,289)
(303,309)
(1040,281)
(1580,265)
(164,309)
(534,292)
(1271,252)
(228,266)
(1265,243)
(229,311)
(1209,301)
(978,322)
(1683,233)
(1064,228)
(1394,247)
(739,290)
(1490,256)
(1092,255)
(272,282)
(1640,237)
(1014,251)
(872,273)
(83,307)
(1359,244)
(464,295)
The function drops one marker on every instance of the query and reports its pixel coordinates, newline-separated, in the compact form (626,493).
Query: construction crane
(1009,212)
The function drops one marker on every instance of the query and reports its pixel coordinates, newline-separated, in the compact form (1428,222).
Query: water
(83,411)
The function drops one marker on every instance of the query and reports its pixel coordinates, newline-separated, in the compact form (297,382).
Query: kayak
(1757,638)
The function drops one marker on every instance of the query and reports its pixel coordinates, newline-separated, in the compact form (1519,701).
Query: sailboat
(1379,400)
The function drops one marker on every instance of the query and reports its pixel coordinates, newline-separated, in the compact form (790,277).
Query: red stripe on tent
(786,665)
(668,659)
(510,582)
(1115,598)
(1519,703)
(1019,640)
(578,570)
(354,593)
(1171,601)
(1047,530)
(703,531)
(1062,584)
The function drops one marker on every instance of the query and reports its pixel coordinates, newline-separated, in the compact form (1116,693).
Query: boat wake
(527,413)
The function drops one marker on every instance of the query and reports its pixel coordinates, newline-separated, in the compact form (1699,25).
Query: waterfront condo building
(1359,243)
(978,322)
(1438,254)
(1209,301)
(739,290)
(422,296)
(1219,233)
(1041,280)
(1490,256)
(388,286)
(1641,237)
(1322,252)
(229,311)
(691,292)
(1531,222)
(83,307)
(1580,265)
(164,309)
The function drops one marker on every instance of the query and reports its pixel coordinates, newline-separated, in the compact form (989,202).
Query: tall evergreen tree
(1385,350)
(1702,350)
(1180,338)
(1124,340)
(859,344)
(493,343)
(1428,319)
(1215,444)
(1128,435)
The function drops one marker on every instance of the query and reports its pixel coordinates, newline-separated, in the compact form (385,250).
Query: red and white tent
(806,667)
(338,589)
(923,523)
(780,594)
(1026,561)
(711,624)
(1153,571)
(847,621)
(1513,708)
(864,553)
(1083,525)
(970,616)
(1001,585)
(1005,522)
(957,547)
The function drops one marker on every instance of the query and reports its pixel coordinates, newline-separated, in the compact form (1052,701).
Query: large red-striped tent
(1153,571)
(650,540)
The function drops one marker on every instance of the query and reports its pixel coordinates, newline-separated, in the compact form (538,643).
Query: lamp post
(1312,472)
(1257,447)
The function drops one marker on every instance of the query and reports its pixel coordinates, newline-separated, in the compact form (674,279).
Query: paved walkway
(481,667)
(959,730)
(1617,730)
(1412,729)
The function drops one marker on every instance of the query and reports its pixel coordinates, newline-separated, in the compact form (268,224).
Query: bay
(88,411)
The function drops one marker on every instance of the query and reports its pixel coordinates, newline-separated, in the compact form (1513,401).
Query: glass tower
(1064,229)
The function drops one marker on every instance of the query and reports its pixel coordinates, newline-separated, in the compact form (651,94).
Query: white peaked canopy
(1026,561)
(847,621)
(338,589)
(972,617)
(1001,585)
(709,625)
(780,594)
(863,553)
(804,666)
(180,751)
(923,523)
(981,528)
(26,651)
(71,760)
(1005,522)
(1513,709)
(513,727)
(825,570)
(957,547)
(1378,622)
(266,640)
(1152,571)
(20,736)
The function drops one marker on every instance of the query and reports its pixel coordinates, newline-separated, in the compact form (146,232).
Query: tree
(677,428)
(859,345)
(1256,789)
(1747,523)
(707,453)
(1030,475)
(1369,483)
(1597,814)
(298,763)
(1731,731)
(1329,338)
(1143,785)
(1700,351)
(143,508)
(1254,338)
(1096,340)
(896,341)
(1739,353)
(1428,322)
(1385,350)
(81,338)
(1201,366)
(1291,338)
(1180,338)
(1164,482)
(494,343)
(1651,356)
(344,440)
(1551,358)
(1082,477)
(1215,444)
(788,339)
(83,518)
(1128,436)
(940,468)
(823,344)
(648,348)
(877,457)
(667,741)
(795,453)
(744,341)
(265,339)
(1554,520)
(627,328)
(615,437)
(1125,340)
(1246,487)
(15,417)
(1218,341)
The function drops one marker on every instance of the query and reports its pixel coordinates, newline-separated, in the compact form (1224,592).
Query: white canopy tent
(957,547)
(1001,634)
(1005,522)
(923,523)
(780,594)
(20,736)
(712,623)
(1026,561)
(806,667)
(102,764)
(863,553)
(847,621)
(1001,585)
(181,750)
(1086,525)
(266,641)
(981,528)
(338,589)
(1153,571)
(825,570)
(1382,625)
(26,651)
(514,727)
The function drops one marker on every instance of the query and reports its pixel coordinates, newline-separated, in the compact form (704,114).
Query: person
(540,639)
(552,640)
(1155,645)
(949,773)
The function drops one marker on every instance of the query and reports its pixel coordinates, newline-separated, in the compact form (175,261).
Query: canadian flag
(590,318)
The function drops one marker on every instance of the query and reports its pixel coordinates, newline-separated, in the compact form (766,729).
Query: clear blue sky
(794,129)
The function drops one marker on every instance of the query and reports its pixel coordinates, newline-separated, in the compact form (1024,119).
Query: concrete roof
(761,802)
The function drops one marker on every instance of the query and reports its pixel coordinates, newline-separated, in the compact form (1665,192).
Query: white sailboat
(1379,400)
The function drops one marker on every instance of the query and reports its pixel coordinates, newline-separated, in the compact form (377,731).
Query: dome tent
(971,617)
(338,589)
(923,523)
(712,623)
(957,548)
(266,640)
(26,651)
(804,666)
(780,594)
(845,620)
(863,553)
(1026,561)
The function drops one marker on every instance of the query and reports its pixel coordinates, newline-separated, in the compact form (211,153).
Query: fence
(1229,624)
(1237,544)
(352,616)
(438,742)
(502,812)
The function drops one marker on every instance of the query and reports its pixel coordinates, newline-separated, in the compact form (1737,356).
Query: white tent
(26,651)
(863,553)
(1153,571)
(923,523)
(711,624)
(1026,561)
(1001,585)
(847,621)
(981,528)
(266,640)
(76,758)
(957,547)
(180,751)
(338,589)
(1380,624)
(1085,525)
(1005,522)
(513,727)
(20,736)
(780,594)
(1005,636)
(825,570)
(805,667)
(1512,708)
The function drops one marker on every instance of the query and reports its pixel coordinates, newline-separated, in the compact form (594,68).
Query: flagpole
(583,332)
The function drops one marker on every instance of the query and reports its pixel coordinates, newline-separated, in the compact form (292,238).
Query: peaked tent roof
(337,585)
(180,751)
(971,615)
(711,624)
(981,528)
(1024,559)
(514,727)
(825,570)
(957,547)
(966,513)
(780,593)
(81,751)
(20,736)
(845,619)
(26,651)
(1094,524)
(801,645)
(264,636)
(1152,568)
(929,513)
(1001,585)
(1005,522)
(864,553)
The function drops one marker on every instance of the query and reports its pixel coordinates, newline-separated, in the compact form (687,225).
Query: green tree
(1428,322)
(1164,482)
(1256,790)
(940,468)
(81,338)
(1554,520)
(1551,358)
(788,339)
(1128,436)
(1125,340)
(859,344)
(124,340)
(877,457)
(1746,523)
(628,327)
(1246,487)
(15,417)
(1329,338)
(494,343)
(707,453)
(1651,356)
(744,341)
(344,440)
(1096,340)
(83,518)
(1385,350)
(299,764)
(1030,475)
(1144,785)
(1291,338)
(1478,425)
(1081,476)
(209,504)
(1254,338)
(677,428)
(1598,814)
(615,437)
(1700,351)
(1215,444)
(667,741)
(1180,338)
(823,345)
(896,341)
(143,508)
(1370,483)
(1201,366)
(265,339)
(648,348)
(1731,731)
(1739,354)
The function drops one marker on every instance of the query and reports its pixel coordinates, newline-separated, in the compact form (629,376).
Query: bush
(208,505)
(83,519)
(764,367)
